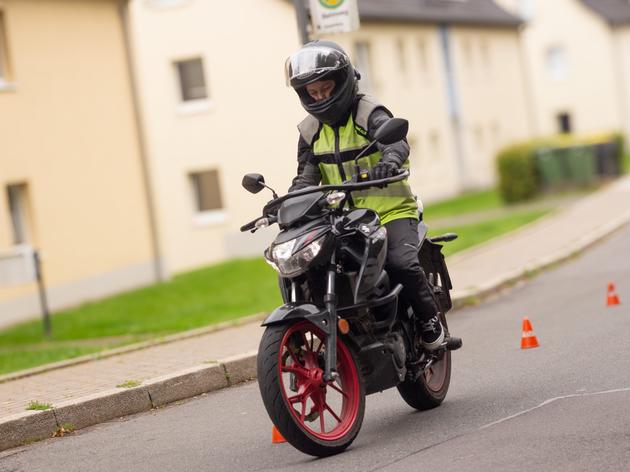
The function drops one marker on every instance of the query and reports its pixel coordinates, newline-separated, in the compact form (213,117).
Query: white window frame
(5,66)
(205,218)
(363,61)
(194,106)
(557,62)
(18,204)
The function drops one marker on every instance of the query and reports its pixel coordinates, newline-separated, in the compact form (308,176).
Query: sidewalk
(86,394)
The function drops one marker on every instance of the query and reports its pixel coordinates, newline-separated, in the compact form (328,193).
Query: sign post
(302,20)
(334,16)
(42,293)
(22,265)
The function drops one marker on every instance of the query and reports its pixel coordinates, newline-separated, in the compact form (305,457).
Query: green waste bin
(550,166)
(581,164)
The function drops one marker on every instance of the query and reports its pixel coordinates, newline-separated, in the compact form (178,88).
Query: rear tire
(289,378)
(430,389)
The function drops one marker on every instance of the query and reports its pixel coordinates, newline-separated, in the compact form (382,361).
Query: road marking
(466,433)
(551,400)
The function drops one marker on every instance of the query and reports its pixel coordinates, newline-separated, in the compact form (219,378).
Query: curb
(30,426)
(27,427)
(492,287)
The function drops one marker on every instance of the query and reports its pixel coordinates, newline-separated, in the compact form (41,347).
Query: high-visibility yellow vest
(335,150)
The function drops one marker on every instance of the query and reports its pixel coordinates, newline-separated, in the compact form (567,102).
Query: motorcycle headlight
(289,264)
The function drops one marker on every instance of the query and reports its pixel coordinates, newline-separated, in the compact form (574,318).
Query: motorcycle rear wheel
(317,418)
(430,389)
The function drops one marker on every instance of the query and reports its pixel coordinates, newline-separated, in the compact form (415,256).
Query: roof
(462,12)
(615,12)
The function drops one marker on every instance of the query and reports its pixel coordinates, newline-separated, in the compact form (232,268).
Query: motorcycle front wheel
(318,418)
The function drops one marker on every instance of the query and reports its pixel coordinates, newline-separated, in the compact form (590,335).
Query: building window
(564,123)
(4,53)
(401,52)
(434,145)
(557,63)
(467,53)
(526,9)
(192,81)
(363,62)
(478,136)
(17,195)
(206,191)
(424,55)
(484,47)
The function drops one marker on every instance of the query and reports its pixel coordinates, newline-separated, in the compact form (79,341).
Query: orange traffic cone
(276,437)
(529,338)
(612,298)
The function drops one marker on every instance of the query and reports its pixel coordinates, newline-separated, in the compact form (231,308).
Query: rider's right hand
(383,170)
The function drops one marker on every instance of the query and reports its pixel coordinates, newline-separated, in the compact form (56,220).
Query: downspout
(160,271)
(454,110)
(528,83)
(622,85)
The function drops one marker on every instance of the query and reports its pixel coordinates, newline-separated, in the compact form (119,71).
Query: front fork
(330,302)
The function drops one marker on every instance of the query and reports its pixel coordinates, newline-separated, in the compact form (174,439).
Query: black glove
(383,170)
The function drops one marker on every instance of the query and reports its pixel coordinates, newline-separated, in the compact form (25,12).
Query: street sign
(334,16)
(16,266)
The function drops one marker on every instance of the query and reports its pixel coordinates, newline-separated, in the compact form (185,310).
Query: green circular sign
(331,3)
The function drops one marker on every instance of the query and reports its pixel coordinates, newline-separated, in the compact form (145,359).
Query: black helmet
(323,60)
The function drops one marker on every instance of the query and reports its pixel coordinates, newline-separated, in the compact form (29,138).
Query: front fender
(296,311)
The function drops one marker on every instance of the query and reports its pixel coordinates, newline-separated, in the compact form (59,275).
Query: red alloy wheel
(326,411)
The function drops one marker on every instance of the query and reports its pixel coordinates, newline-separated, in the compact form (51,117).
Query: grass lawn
(476,233)
(202,297)
(466,203)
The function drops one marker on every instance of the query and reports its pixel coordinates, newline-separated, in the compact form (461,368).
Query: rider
(340,123)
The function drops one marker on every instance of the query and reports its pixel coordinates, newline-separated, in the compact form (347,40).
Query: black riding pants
(403,266)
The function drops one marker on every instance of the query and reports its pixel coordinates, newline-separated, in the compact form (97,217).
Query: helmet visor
(311,63)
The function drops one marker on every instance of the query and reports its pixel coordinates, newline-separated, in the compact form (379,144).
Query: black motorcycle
(343,331)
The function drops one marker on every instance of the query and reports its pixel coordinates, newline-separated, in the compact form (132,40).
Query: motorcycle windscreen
(295,208)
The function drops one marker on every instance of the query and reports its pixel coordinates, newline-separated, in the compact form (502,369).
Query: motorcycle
(343,332)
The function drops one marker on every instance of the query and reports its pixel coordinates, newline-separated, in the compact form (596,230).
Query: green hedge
(518,178)
(524,169)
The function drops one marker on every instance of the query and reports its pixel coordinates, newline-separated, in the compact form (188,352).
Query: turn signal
(343,325)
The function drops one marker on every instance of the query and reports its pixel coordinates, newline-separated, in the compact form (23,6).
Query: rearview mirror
(253,183)
(393,130)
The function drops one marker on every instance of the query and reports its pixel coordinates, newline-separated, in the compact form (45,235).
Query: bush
(518,178)
(620,142)
(557,161)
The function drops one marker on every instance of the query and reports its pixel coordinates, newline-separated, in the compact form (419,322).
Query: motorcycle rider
(340,122)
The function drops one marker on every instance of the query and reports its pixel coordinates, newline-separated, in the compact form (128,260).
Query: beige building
(71,178)
(578,60)
(214,104)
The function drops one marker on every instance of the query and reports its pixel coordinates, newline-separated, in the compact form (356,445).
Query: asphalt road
(563,406)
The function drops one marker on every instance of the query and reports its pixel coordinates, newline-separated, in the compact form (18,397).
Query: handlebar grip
(249,226)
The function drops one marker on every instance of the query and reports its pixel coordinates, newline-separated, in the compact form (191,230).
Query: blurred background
(126,127)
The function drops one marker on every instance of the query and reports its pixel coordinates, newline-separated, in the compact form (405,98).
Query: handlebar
(347,186)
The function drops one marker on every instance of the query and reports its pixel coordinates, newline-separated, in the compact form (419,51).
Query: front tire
(317,418)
